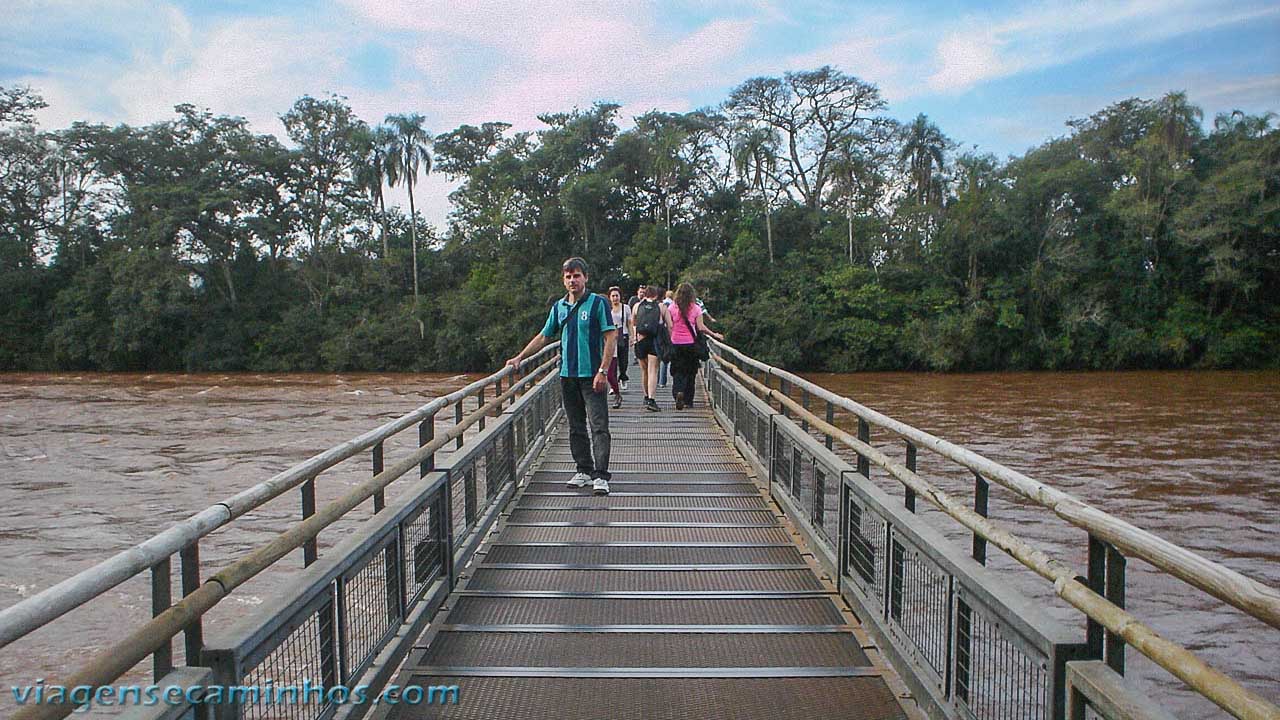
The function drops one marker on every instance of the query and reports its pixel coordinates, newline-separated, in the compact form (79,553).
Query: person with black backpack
(652,323)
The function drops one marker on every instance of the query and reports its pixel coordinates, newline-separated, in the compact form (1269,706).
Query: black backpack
(648,314)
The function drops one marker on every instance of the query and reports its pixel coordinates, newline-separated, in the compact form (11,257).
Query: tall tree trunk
(231,284)
(768,223)
(666,209)
(973,273)
(382,211)
(848,212)
(413,234)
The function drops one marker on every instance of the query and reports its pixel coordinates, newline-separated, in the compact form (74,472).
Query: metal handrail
(1182,663)
(1254,598)
(115,661)
(40,609)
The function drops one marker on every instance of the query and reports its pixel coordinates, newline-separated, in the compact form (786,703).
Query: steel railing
(971,646)
(183,539)
(352,616)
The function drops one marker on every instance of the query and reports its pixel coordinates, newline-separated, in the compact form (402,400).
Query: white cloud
(982,48)
(544,56)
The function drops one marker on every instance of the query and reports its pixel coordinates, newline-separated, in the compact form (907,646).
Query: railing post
(785,388)
(831,420)
(194,633)
(804,403)
(1115,594)
(162,600)
(1096,580)
(427,433)
(457,421)
(379,497)
(864,434)
(909,500)
(981,489)
(446,529)
(480,404)
(309,552)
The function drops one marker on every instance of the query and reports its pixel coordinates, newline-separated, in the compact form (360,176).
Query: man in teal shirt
(584,325)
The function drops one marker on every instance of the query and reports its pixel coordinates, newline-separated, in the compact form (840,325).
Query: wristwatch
(602,371)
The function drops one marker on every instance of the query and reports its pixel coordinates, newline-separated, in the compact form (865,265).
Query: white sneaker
(600,486)
(579,480)
(624,386)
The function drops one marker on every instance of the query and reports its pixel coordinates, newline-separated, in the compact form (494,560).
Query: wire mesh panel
(997,675)
(920,608)
(463,480)
(865,551)
(782,458)
(820,501)
(306,657)
(424,548)
(520,433)
(370,606)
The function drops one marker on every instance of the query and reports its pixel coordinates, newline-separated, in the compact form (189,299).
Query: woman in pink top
(686,317)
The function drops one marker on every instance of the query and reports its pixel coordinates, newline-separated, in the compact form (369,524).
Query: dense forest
(823,234)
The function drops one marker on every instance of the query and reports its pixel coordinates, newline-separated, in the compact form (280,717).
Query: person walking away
(686,315)
(587,345)
(650,319)
(622,321)
(617,347)
(665,366)
(631,305)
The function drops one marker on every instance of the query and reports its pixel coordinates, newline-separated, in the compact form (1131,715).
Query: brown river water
(91,464)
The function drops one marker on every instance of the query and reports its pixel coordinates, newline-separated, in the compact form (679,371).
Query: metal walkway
(680,595)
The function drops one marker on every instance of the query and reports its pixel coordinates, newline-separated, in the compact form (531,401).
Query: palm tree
(924,148)
(410,153)
(755,158)
(846,167)
(375,145)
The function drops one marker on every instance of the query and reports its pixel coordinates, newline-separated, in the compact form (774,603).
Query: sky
(1000,77)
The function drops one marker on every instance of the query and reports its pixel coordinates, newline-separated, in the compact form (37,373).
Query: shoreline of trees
(825,236)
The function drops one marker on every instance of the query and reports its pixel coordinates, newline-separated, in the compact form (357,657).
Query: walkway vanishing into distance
(682,594)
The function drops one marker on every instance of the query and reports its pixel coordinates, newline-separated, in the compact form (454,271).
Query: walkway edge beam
(1244,593)
(51,603)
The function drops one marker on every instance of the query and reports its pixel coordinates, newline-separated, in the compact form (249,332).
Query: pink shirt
(680,334)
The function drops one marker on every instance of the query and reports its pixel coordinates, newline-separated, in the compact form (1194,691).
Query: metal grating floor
(522,698)
(680,595)
(640,555)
